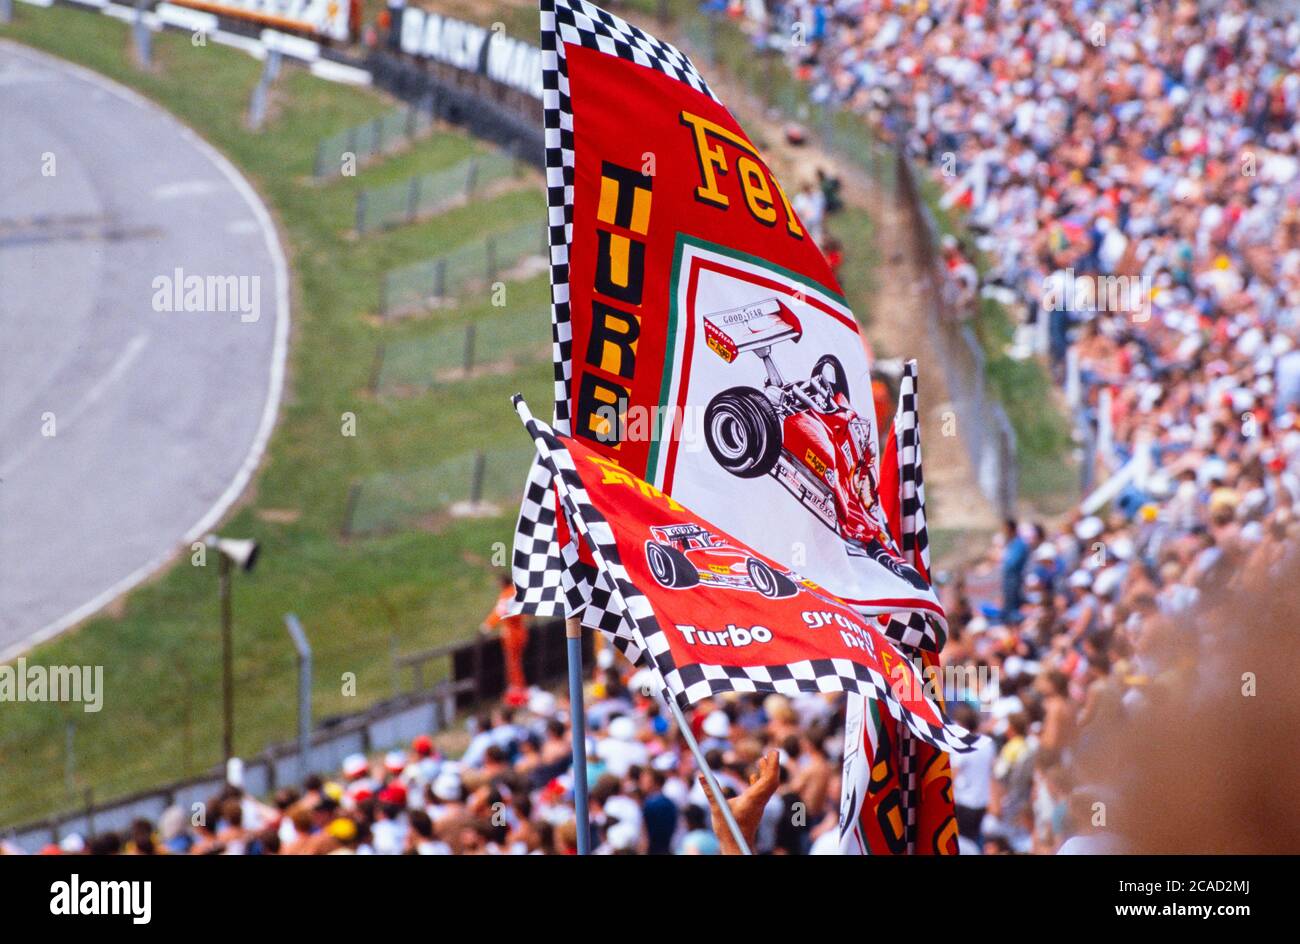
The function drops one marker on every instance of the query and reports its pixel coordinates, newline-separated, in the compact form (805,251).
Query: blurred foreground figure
(1206,761)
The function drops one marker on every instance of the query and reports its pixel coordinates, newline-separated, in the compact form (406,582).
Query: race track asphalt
(158,418)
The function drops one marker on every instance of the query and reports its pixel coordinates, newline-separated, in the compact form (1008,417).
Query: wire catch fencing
(455,353)
(375,138)
(426,195)
(507,256)
(473,484)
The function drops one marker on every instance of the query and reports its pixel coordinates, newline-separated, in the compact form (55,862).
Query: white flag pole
(714,787)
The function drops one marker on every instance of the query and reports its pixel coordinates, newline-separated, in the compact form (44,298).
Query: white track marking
(89,399)
(184,188)
(278,357)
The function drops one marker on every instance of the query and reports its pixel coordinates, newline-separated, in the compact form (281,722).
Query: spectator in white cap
(716,730)
(619,749)
(448,797)
(355,766)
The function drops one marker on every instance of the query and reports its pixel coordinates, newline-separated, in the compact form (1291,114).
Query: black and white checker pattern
(550,579)
(577,577)
(609,601)
(909,784)
(603,613)
(577,22)
(907,429)
(537,559)
(914,630)
(580,23)
(691,683)
(557,120)
(590,593)
(695,682)
(535,564)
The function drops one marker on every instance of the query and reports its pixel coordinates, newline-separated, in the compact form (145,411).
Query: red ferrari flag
(896,793)
(701,339)
(709,613)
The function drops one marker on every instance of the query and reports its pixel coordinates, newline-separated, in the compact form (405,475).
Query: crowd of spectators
(1152,140)
(1153,144)
(510,789)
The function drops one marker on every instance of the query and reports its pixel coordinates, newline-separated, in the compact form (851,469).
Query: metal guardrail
(484,108)
(986,430)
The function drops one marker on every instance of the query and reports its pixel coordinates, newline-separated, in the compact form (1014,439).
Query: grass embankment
(359,599)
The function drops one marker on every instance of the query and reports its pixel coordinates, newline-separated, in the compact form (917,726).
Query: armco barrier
(444,681)
(465,99)
(986,431)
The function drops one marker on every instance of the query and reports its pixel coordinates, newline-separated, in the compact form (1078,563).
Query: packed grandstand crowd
(1153,140)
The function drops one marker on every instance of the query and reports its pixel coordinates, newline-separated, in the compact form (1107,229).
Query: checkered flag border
(536,565)
(907,430)
(910,784)
(537,559)
(692,683)
(577,22)
(912,631)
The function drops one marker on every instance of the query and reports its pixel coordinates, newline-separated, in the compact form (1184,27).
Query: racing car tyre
(877,552)
(670,566)
(840,380)
(769,582)
(743,432)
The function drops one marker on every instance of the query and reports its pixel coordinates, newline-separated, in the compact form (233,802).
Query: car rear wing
(676,531)
(731,332)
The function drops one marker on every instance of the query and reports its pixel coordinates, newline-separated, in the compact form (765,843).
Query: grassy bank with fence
(425,195)
(365,594)
(397,459)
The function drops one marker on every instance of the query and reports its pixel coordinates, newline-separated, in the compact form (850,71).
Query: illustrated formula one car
(804,433)
(686,555)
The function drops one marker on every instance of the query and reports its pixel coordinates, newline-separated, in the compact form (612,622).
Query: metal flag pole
(577,710)
(577,721)
(578,727)
(714,787)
